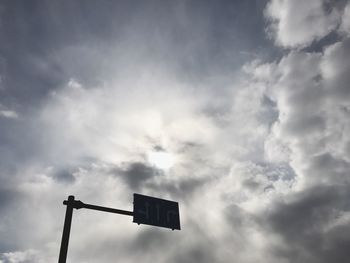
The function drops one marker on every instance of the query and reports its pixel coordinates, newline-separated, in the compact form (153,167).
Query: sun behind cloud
(161,159)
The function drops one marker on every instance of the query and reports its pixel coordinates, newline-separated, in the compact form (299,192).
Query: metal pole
(106,209)
(66,229)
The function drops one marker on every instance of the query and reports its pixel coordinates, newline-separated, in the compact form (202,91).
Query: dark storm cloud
(18,144)
(182,189)
(137,174)
(31,35)
(36,35)
(197,253)
(141,176)
(236,216)
(7,197)
(64,175)
(173,247)
(305,224)
(151,239)
(24,142)
(200,249)
(324,165)
(308,211)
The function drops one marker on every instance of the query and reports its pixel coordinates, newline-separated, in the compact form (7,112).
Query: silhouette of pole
(66,229)
(80,204)
(142,217)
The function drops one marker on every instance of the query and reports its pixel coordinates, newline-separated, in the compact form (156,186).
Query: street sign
(156,212)
(147,210)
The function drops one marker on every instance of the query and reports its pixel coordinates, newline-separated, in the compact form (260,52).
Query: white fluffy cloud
(7,113)
(311,135)
(345,24)
(27,256)
(312,98)
(297,23)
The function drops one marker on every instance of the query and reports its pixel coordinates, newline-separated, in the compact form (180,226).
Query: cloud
(137,174)
(9,114)
(20,256)
(345,23)
(312,224)
(310,95)
(308,222)
(299,23)
(96,141)
(113,130)
(261,154)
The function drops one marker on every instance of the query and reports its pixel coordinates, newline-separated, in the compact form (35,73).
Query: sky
(238,110)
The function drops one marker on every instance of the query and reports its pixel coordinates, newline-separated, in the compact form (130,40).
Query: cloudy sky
(238,110)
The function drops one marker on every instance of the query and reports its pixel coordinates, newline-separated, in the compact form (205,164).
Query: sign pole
(147,210)
(66,229)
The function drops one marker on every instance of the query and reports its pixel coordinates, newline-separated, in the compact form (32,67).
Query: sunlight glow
(161,160)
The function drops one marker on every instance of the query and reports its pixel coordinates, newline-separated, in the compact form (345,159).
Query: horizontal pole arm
(80,204)
(107,209)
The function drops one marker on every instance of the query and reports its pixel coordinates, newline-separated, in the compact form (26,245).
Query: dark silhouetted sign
(156,212)
(147,210)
